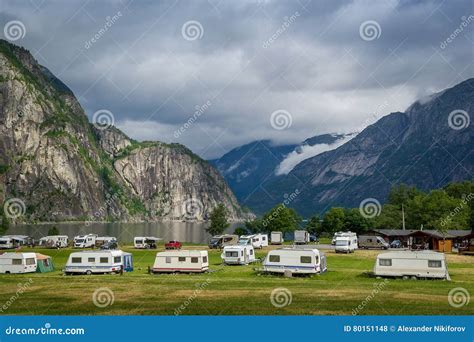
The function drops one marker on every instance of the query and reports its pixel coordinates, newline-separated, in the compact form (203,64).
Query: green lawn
(232,290)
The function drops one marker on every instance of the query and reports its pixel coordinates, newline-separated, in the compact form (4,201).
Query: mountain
(246,167)
(428,146)
(55,165)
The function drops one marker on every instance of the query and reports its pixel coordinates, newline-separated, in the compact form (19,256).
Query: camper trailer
(19,240)
(145,242)
(18,262)
(372,241)
(346,243)
(54,241)
(102,240)
(295,260)
(6,243)
(238,255)
(184,261)
(256,240)
(220,241)
(414,264)
(85,241)
(100,261)
(276,238)
(301,237)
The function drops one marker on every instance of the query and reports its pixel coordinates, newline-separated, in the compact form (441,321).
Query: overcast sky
(320,66)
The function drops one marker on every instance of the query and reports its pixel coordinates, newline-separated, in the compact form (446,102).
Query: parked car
(109,245)
(313,238)
(173,245)
(396,244)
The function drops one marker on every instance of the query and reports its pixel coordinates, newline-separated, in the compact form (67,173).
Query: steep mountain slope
(419,147)
(62,168)
(248,166)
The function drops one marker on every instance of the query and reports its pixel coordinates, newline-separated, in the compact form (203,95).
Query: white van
(415,264)
(184,261)
(54,241)
(372,241)
(18,262)
(276,238)
(145,242)
(295,260)
(238,255)
(256,240)
(346,243)
(85,241)
(100,261)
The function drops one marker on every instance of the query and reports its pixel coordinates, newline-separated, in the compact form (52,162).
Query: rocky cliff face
(62,168)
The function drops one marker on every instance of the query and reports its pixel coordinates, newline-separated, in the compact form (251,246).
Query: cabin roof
(431,232)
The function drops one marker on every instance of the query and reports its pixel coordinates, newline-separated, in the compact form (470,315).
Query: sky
(214,75)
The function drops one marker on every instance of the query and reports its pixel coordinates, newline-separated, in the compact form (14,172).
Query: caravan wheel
(88,272)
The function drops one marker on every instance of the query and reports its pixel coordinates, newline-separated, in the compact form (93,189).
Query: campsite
(228,290)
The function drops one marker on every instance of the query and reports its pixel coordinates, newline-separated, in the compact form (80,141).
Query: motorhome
(372,241)
(185,261)
(256,240)
(414,264)
(99,261)
(18,262)
(220,241)
(301,237)
(6,243)
(145,242)
(85,241)
(54,241)
(18,240)
(238,255)
(295,260)
(336,235)
(346,243)
(276,238)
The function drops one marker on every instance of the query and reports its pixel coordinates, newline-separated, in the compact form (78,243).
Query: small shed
(44,263)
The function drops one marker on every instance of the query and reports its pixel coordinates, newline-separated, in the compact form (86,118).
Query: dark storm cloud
(253,58)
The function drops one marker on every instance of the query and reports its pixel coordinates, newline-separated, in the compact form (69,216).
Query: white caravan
(276,238)
(415,264)
(301,237)
(85,241)
(6,243)
(18,240)
(238,255)
(346,243)
(185,261)
(54,241)
(100,261)
(145,242)
(18,262)
(295,260)
(256,240)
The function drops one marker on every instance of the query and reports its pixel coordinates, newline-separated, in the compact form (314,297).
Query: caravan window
(168,260)
(104,260)
(204,259)
(251,252)
(434,263)
(181,259)
(76,260)
(232,254)
(117,259)
(90,259)
(30,261)
(264,238)
(274,258)
(305,260)
(385,262)
(194,260)
(17,262)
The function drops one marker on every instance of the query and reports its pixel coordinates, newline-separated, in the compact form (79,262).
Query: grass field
(235,290)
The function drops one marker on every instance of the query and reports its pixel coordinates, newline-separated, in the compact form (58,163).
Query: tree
(314,225)
(219,221)
(390,217)
(254,226)
(53,231)
(402,194)
(240,231)
(355,222)
(280,218)
(4,225)
(333,220)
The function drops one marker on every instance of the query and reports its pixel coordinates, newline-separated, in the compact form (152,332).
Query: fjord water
(193,232)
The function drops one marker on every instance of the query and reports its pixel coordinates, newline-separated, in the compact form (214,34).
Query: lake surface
(193,232)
